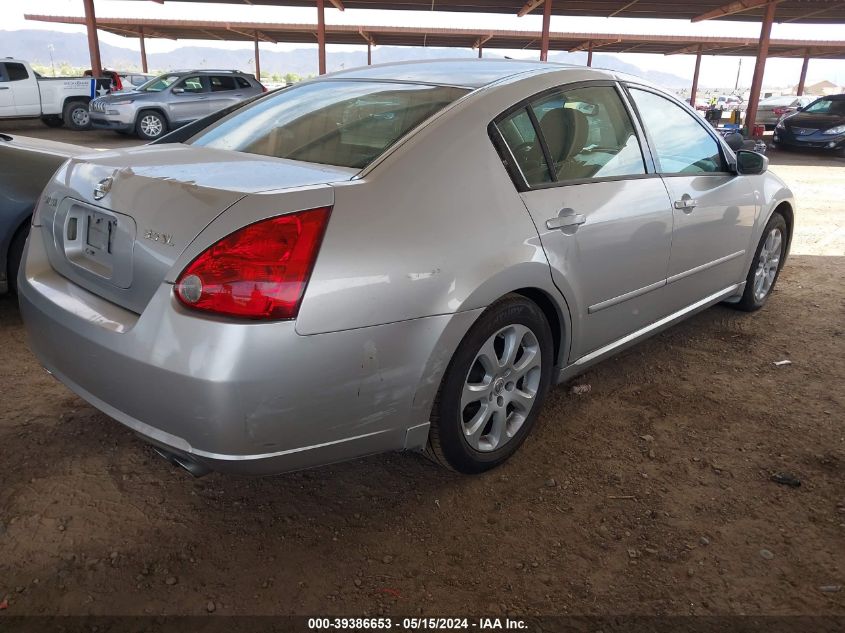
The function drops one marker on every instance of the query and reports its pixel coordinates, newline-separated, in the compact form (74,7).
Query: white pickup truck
(57,101)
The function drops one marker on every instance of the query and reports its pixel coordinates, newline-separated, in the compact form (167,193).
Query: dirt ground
(651,494)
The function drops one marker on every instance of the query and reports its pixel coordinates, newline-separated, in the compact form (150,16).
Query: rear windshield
(335,122)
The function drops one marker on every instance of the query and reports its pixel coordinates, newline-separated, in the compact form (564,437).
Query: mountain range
(72,48)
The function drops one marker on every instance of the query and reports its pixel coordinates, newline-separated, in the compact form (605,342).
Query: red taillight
(257,272)
(263,88)
(780,111)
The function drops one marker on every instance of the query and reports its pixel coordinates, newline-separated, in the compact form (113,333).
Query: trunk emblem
(102,188)
(161,238)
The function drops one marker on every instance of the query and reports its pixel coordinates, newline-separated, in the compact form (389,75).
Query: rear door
(713,208)
(604,220)
(188,99)
(222,92)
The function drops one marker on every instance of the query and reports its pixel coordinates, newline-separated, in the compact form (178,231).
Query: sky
(779,72)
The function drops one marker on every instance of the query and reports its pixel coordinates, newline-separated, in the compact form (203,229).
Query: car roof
(469,73)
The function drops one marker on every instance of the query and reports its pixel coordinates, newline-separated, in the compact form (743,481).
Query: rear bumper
(238,397)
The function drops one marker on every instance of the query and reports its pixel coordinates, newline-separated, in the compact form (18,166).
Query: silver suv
(172,100)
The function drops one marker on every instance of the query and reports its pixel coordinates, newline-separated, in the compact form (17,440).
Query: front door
(7,98)
(713,208)
(188,100)
(24,89)
(604,222)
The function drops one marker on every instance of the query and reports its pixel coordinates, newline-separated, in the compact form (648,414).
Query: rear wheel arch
(13,255)
(554,313)
(77,99)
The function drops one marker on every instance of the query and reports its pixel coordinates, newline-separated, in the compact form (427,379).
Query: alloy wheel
(767,264)
(151,125)
(501,387)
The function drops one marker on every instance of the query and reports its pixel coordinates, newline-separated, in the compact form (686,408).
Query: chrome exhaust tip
(195,468)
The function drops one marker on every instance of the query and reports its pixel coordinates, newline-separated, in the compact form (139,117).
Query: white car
(55,100)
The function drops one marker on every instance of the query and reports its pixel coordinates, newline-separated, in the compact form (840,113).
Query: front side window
(335,122)
(589,134)
(219,84)
(680,143)
(192,84)
(16,72)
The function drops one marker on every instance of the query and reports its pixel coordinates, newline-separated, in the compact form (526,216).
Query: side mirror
(750,163)
(734,140)
(177,91)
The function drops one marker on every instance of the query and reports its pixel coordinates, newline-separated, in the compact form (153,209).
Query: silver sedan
(399,257)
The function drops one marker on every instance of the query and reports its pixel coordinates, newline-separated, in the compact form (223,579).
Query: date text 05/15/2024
(416,624)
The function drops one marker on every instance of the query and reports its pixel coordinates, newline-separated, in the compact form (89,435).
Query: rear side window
(570,135)
(221,83)
(680,143)
(589,134)
(334,122)
(16,72)
(242,83)
(521,138)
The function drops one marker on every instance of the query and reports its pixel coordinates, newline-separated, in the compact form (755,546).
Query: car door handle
(567,218)
(4,87)
(686,203)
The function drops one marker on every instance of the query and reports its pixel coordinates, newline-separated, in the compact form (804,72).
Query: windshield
(336,122)
(827,106)
(158,84)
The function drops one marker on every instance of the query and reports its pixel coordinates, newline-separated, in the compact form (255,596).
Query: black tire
(750,301)
(141,125)
(52,121)
(75,115)
(447,442)
(13,258)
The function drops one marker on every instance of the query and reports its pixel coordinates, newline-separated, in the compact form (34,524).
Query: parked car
(728,102)
(133,80)
(56,100)
(770,111)
(395,257)
(171,100)
(27,165)
(820,125)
